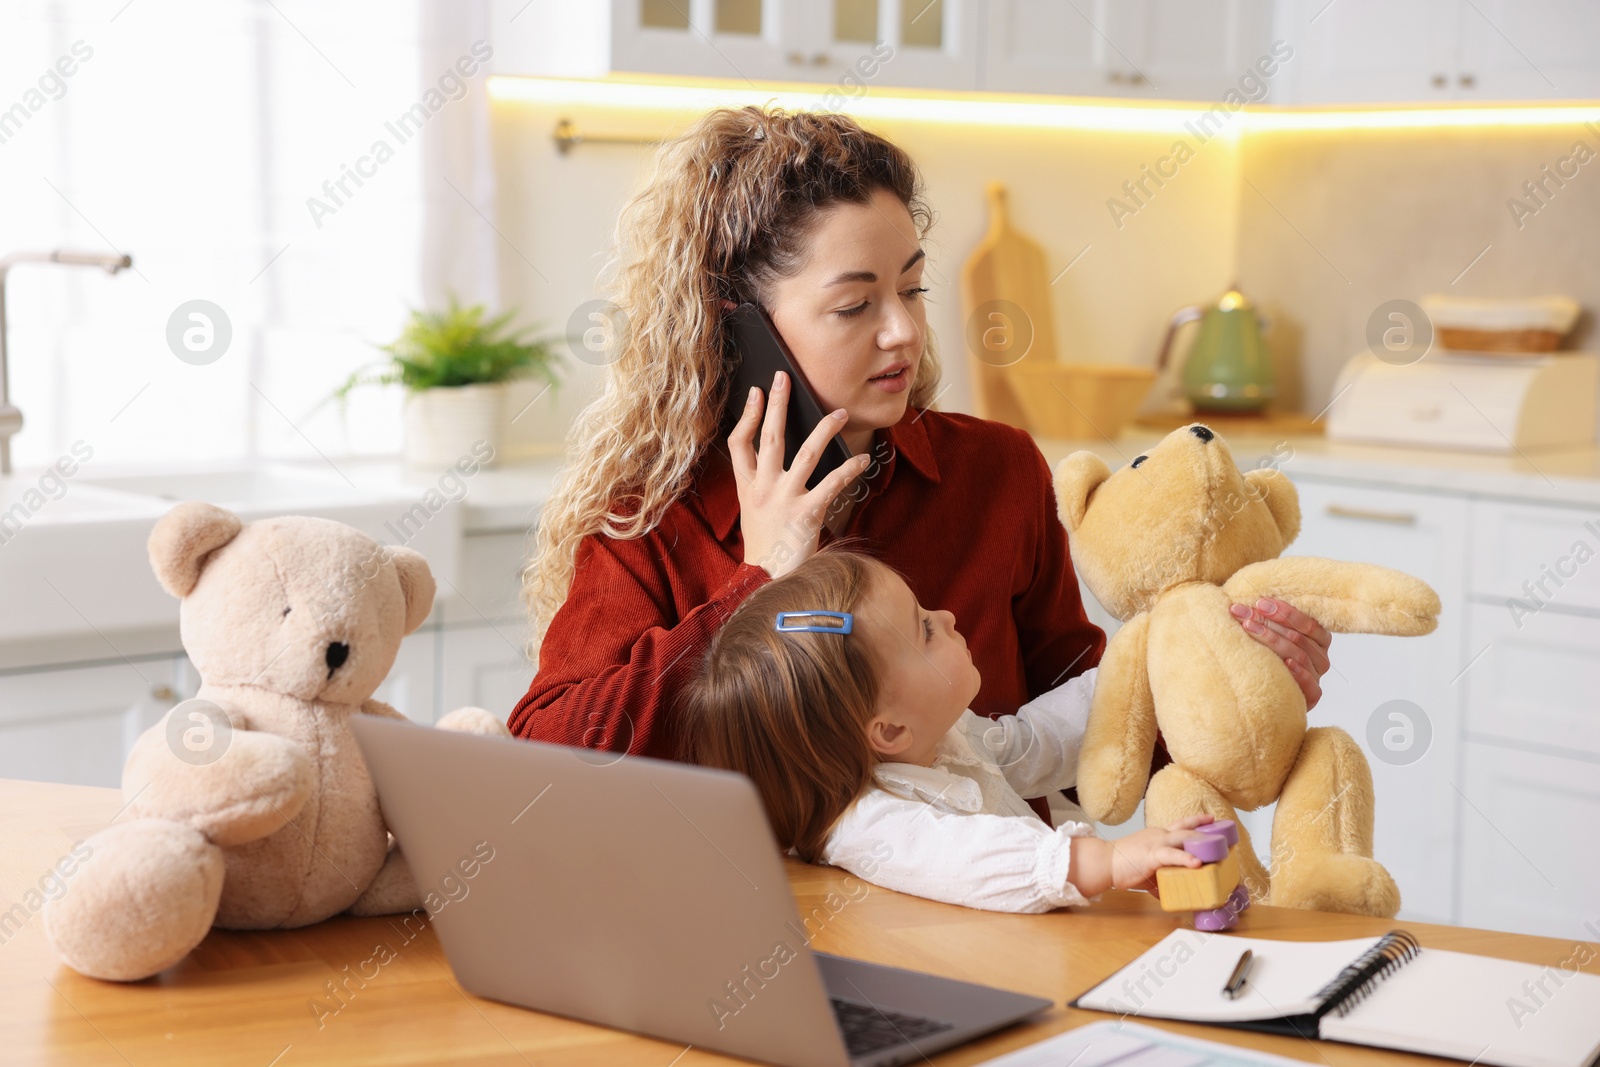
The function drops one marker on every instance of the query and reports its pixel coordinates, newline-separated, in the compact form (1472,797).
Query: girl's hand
(1131,862)
(779,518)
(1300,640)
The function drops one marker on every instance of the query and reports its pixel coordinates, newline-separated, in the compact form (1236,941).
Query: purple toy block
(1210,849)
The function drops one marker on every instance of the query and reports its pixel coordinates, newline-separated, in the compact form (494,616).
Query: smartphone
(760,353)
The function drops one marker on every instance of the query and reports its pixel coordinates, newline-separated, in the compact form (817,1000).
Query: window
(269,156)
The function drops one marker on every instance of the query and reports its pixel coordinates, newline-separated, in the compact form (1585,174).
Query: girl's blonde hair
(726,211)
(790,710)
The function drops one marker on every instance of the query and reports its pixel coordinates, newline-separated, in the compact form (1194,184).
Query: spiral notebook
(1386,992)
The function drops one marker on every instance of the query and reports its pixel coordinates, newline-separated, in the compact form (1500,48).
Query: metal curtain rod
(567,135)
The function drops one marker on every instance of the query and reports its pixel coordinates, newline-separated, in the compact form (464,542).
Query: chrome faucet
(10,416)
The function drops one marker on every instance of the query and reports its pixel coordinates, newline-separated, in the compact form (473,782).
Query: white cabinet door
(75,725)
(1529,50)
(1535,683)
(1397,695)
(1045,46)
(931,44)
(741,39)
(1523,868)
(1527,557)
(1193,49)
(411,685)
(1369,51)
(1159,49)
(482,666)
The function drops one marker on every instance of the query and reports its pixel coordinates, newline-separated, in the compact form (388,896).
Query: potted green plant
(454,364)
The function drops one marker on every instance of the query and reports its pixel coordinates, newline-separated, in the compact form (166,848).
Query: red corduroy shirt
(964,507)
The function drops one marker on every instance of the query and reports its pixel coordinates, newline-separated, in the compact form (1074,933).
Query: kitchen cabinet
(482,666)
(851,44)
(1521,869)
(411,686)
(1157,49)
(75,724)
(1429,51)
(1396,695)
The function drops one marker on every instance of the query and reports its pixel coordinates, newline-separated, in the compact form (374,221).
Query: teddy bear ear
(1077,477)
(184,538)
(1274,487)
(416,582)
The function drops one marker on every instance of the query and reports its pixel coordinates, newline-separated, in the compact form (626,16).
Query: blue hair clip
(846,617)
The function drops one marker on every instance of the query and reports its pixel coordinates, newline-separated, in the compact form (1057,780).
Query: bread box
(1467,401)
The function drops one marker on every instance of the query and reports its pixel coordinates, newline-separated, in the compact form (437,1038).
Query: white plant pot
(442,425)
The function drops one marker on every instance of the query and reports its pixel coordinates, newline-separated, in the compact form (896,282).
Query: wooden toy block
(1212,890)
(1198,888)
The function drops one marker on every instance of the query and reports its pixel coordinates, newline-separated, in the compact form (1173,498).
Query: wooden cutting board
(1005,304)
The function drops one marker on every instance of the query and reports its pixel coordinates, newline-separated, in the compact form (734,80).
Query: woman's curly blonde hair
(727,209)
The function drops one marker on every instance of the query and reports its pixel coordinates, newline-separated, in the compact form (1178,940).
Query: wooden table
(247,998)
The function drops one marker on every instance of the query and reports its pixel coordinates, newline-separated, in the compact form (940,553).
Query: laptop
(649,896)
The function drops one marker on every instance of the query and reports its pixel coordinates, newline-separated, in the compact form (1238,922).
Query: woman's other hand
(1300,640)
(780,519)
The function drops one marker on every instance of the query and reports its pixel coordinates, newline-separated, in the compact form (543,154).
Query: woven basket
(1499,340)
(1079,401)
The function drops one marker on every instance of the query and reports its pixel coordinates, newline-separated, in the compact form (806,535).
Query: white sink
(78,565)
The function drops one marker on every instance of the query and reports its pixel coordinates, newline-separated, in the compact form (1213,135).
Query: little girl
(847,704)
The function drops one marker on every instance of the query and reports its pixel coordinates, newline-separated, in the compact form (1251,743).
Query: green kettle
(1228,368)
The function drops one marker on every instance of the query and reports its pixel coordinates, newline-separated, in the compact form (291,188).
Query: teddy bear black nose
(1202,432)
(337,653)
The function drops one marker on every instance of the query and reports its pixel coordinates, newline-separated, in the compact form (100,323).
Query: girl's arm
(614,659)
(994,862)
(1037,748)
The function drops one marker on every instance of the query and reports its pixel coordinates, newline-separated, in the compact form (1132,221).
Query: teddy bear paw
(1336,881)
(470,720)
(146,896)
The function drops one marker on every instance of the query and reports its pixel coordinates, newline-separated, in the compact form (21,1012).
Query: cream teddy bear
(1167,544)
(250,807)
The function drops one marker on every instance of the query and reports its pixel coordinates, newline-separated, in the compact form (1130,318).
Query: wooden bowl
(1079,401)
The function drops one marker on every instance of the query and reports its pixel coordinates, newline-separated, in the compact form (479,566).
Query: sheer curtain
(312,168)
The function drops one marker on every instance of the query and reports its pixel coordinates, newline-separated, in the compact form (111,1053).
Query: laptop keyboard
(868,1029)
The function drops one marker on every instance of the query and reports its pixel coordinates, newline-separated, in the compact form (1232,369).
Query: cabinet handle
(1114,76)
(1136,78)
(162,692)
(1399,518)
(1440,81)
(794,57)
(820,59)
(1467,80)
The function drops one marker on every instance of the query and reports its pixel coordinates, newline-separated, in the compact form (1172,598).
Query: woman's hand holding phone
(774,503)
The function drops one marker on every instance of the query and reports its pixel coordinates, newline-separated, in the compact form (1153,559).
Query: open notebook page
(1182,975)
(1479,1009)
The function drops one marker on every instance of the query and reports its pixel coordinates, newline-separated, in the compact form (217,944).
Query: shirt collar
(719,493)
(937,785)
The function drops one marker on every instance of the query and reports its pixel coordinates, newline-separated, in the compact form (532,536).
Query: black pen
(1240,971)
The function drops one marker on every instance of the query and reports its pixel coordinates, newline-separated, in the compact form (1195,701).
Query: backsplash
(1334,223)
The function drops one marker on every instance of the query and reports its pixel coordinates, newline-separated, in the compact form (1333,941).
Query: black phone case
(760,353)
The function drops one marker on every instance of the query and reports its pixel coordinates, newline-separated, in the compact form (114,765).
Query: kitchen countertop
(508,497)
(1569,476)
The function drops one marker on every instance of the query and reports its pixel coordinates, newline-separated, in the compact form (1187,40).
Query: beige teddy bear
(249,807)
(1166,545)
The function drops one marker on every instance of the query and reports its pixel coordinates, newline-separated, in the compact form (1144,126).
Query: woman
(660,526)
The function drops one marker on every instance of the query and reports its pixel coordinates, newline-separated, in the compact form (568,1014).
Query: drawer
(1537,679)
(1526,862)
(1537,554)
